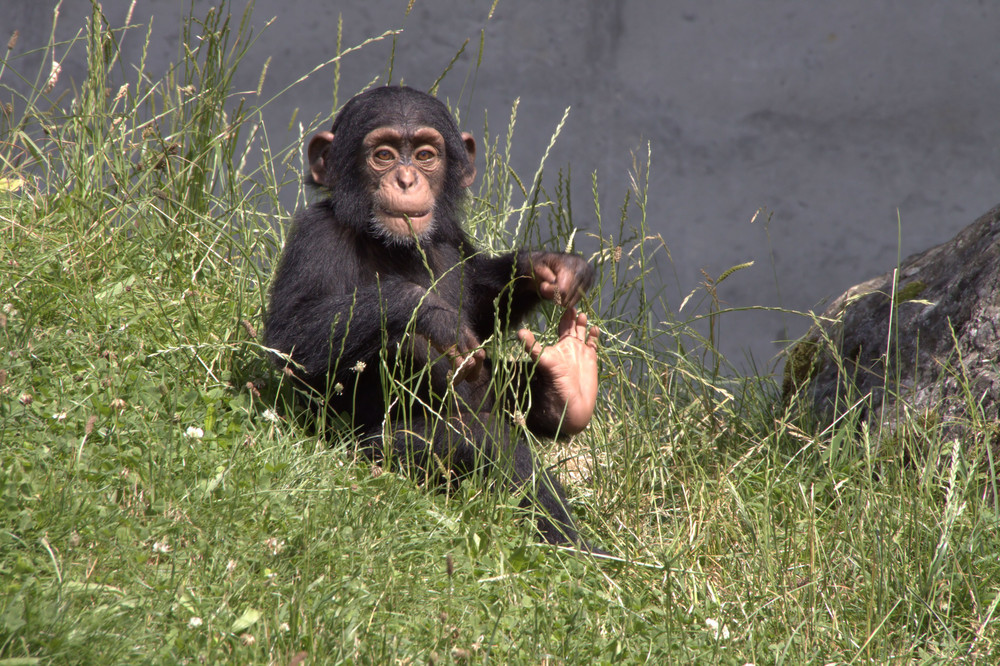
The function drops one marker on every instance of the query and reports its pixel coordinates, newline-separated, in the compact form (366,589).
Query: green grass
(161,503)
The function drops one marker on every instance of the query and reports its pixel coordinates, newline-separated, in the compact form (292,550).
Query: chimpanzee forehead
(396,134)
(398,106)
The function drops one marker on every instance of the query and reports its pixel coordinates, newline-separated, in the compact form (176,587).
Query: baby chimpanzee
(379,287)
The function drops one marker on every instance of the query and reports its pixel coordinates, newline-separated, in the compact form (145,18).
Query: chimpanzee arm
(355,326)
(518,281)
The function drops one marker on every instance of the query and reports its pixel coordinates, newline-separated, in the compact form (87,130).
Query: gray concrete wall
(834,116)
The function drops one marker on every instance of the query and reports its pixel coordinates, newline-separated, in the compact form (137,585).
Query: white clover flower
(194,622)
(271,415)
(359,367)
(722,633)
(274,545)
(194,432)
(161,547)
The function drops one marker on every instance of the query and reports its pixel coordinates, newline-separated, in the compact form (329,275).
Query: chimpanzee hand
(570,365)
(466,356)
(560,277)
(442,328)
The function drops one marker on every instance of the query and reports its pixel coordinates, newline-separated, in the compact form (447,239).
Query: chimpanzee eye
(384,154)
(425,154)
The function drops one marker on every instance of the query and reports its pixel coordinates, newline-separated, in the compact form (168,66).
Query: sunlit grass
(160,500)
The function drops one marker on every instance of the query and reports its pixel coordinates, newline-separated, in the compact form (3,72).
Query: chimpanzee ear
(315,151)
(470,149)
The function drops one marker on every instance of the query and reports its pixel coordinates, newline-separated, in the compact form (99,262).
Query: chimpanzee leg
(544,496)
(471,442)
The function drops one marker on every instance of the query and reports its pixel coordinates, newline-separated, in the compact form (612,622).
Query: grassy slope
(154,507)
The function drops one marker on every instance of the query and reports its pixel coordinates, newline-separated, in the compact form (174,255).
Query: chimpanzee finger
(542,273)
(467,357)
(588,334)
(593,335)
(568,323)
(530,345)
(467,368)
(575,280)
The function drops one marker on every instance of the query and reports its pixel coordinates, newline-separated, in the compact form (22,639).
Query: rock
(942,359)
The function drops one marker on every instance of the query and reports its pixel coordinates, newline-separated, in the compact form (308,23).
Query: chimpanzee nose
(406,176)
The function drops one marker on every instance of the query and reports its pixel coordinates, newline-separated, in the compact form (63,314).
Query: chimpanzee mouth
(416,217)
(402,227)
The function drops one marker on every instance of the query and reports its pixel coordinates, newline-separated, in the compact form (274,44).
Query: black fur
(341,295)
